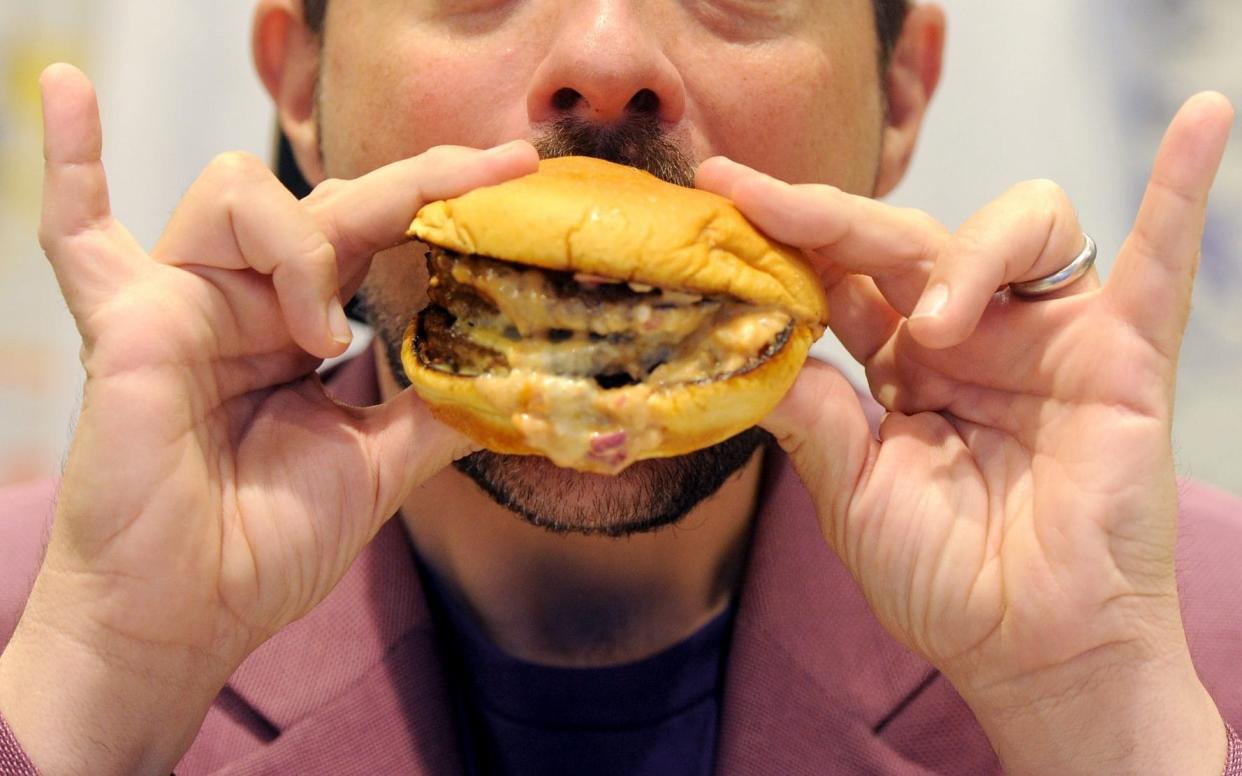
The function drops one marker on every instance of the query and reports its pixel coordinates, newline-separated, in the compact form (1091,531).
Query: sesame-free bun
(586,215)
(589,216)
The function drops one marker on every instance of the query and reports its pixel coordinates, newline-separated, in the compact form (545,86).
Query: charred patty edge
(454,352)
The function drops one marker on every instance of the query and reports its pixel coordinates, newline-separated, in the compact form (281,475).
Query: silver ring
(1068,274)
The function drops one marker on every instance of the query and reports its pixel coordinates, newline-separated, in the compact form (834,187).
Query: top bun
(581,214)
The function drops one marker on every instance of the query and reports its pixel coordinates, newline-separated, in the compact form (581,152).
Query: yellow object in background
(36,380)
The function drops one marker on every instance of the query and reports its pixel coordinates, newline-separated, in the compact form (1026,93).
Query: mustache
(638,141)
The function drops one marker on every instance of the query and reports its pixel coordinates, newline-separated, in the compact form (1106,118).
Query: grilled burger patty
(489,317)
(698,327)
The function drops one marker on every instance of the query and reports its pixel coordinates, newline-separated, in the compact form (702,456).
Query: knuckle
(233,178)
(317,256)
(920,221)
(236,163)
(922,230)
(441,154)
(926,220)
(325,194)
(823,191)
(1040,188)
(1049,196)
(329,188)
(47,237)
(967,242)
(233,170)
(324,197)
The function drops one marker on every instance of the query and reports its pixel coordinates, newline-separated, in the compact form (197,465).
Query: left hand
(1016,520)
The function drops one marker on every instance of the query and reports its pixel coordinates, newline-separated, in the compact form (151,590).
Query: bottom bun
(524,414)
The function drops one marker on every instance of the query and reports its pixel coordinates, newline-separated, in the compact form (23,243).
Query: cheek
(799,114)
(384,104)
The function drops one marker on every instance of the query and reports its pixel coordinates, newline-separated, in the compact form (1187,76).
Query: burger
(597,315)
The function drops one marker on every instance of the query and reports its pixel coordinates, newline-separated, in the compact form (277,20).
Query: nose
(607,60)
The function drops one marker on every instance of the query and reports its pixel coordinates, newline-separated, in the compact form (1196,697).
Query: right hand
(213,492)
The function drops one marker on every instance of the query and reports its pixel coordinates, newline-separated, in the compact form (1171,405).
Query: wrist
(102,706)
(1147,717)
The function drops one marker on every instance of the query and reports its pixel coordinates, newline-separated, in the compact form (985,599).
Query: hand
(213,492)
(1015,522)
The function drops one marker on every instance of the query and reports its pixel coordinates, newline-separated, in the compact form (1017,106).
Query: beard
(649,494)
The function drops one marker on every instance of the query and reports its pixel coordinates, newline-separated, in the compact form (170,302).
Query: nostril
(565,99)
(644,101)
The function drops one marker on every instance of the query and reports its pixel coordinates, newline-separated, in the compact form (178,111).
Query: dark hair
(313,11)
(889,16)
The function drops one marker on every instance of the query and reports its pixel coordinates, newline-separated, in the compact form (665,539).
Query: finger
(720,175)
(896,246)
(861,318)
(90,252)
(406,446)
(238,216)
(373,212)
(75,190)
(1152,280)
(821,425)
(1030,231)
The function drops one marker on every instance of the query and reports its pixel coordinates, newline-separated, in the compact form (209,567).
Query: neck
(578,600)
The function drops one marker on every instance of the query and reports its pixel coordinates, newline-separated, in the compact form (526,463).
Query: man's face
(790,87)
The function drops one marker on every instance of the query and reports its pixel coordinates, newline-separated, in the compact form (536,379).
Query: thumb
(407,446)
(1153,278)
(89,252)
(821,425)
(75,190)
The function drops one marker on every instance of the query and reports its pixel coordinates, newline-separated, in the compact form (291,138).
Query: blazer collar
(357,681)
(811,673)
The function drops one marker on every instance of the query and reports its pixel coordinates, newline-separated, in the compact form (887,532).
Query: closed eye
(751,20)
(468,16)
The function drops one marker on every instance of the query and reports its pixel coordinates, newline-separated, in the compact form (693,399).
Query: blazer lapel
(356,686)
(812,675)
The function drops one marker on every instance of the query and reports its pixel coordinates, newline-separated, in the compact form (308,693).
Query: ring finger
(1030,232)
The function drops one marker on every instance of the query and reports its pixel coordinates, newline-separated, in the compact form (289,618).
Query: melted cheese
(567,417)
(525,299)
(550,391)
(577,424)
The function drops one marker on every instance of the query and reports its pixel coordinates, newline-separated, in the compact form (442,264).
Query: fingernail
(934,300)
(338,323)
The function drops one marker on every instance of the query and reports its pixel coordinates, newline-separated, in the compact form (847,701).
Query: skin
(649,591)
(1014,523)
(702,68)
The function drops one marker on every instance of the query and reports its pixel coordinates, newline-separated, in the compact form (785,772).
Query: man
(1011,525)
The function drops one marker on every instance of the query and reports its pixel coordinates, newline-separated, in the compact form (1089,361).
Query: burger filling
(572,358)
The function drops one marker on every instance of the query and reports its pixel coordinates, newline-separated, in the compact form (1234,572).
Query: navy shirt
(659,715)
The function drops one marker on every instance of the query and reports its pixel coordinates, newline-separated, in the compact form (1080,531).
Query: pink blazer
(814,685)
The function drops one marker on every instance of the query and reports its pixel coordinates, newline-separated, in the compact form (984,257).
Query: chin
(645,497)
